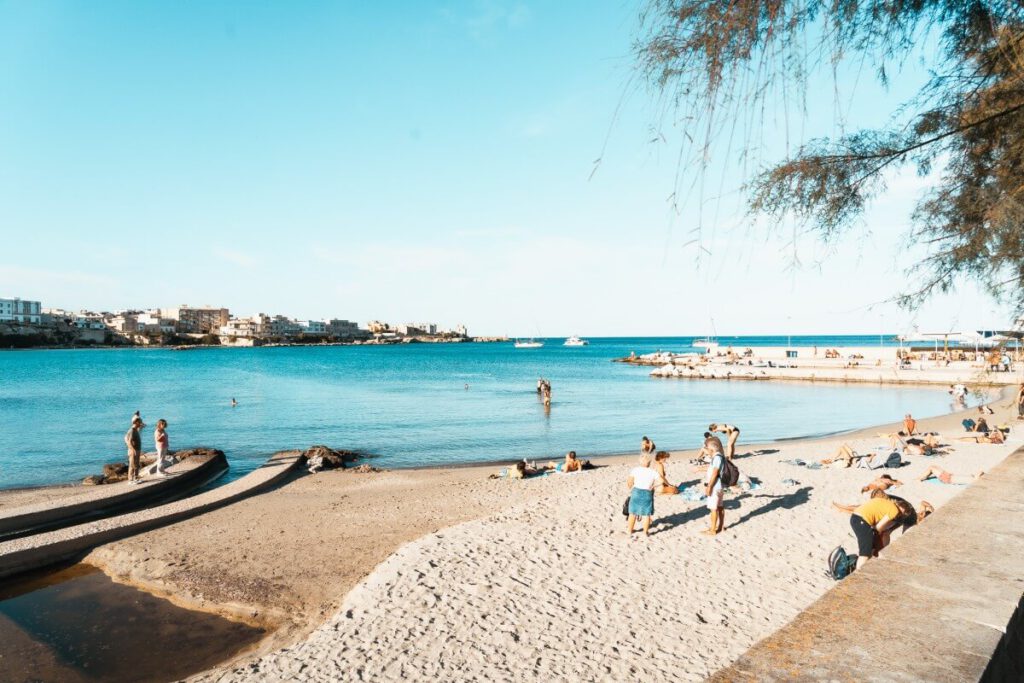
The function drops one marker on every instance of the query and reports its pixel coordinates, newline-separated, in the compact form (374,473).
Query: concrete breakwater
(861,365)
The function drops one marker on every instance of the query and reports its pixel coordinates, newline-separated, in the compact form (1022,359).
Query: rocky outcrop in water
(325,458)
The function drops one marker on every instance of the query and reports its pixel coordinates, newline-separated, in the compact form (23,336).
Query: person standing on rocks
(133,440)
(162,442)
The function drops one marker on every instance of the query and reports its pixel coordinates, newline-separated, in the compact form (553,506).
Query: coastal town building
(344,329)
(197,320)
(20,311)
(316,328)
(378,327)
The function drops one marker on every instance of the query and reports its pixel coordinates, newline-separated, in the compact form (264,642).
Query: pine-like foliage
(722,59)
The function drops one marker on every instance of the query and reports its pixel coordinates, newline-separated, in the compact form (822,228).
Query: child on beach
(641,482)
(664,488)
(162,442)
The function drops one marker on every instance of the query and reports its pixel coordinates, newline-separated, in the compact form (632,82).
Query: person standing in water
(133,440)
(233,402)
(162,443)
(733,434)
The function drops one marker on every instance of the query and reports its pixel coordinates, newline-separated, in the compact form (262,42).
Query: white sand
(555,589)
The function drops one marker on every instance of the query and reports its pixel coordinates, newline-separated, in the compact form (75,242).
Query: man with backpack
(722,473)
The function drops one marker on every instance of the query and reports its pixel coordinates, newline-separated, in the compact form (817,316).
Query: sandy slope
(551,587)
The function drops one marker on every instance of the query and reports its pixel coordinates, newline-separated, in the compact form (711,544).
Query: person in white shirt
(641,483)
(713,490)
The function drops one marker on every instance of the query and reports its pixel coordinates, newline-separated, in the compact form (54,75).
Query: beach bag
(730,474)
(625,507)
(894,460)
(841,564)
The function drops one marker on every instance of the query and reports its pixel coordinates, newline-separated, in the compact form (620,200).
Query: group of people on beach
(649,478)
(133,441)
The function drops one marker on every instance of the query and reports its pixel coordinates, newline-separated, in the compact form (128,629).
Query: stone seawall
(942,604)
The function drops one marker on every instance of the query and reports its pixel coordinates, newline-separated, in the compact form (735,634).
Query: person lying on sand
(906,509)
(882,483)
(844,454)
(946,477)
(993,436)
(663,488)
(574,464)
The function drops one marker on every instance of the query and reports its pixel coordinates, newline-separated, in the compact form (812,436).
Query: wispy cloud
(239,258)
(486,17)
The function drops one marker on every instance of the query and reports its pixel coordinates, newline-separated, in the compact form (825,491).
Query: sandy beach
(445,573)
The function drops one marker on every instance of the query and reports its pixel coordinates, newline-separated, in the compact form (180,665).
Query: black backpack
(729,474)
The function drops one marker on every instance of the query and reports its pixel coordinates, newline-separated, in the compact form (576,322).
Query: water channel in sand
(76,625)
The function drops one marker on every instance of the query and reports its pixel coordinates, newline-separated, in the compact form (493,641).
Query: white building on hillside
(20,311)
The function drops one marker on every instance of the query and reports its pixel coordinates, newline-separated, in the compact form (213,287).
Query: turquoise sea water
(63,412)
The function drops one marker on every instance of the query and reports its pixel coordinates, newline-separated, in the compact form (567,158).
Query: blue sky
(402,161)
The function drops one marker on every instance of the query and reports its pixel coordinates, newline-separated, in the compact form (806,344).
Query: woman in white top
(641,483)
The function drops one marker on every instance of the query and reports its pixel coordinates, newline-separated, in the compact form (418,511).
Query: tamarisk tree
(723,59)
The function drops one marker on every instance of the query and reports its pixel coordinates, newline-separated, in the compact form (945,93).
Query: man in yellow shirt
(871,523)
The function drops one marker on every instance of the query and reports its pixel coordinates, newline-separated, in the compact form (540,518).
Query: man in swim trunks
(732,433)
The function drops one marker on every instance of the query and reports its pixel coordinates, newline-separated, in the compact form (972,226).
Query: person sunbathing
(946,477)
(882,483)
(926,445)
(993,436)
(909,425)
(574,464)
(844,454)
(663,488)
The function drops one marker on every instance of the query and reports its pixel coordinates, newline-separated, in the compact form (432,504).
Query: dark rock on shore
(94,480)
(325,458)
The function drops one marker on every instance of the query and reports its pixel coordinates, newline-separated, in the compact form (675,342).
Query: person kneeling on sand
(871,523)
(712,445)
(641,482)
(663,488)
(936,472)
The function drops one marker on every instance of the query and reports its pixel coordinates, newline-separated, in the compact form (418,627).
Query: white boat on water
(575,341)
(528,344)
(704,344)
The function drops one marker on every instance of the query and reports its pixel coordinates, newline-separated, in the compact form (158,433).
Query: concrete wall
(940,605)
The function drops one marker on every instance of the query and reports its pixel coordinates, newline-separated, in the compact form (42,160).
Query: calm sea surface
(63,413)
